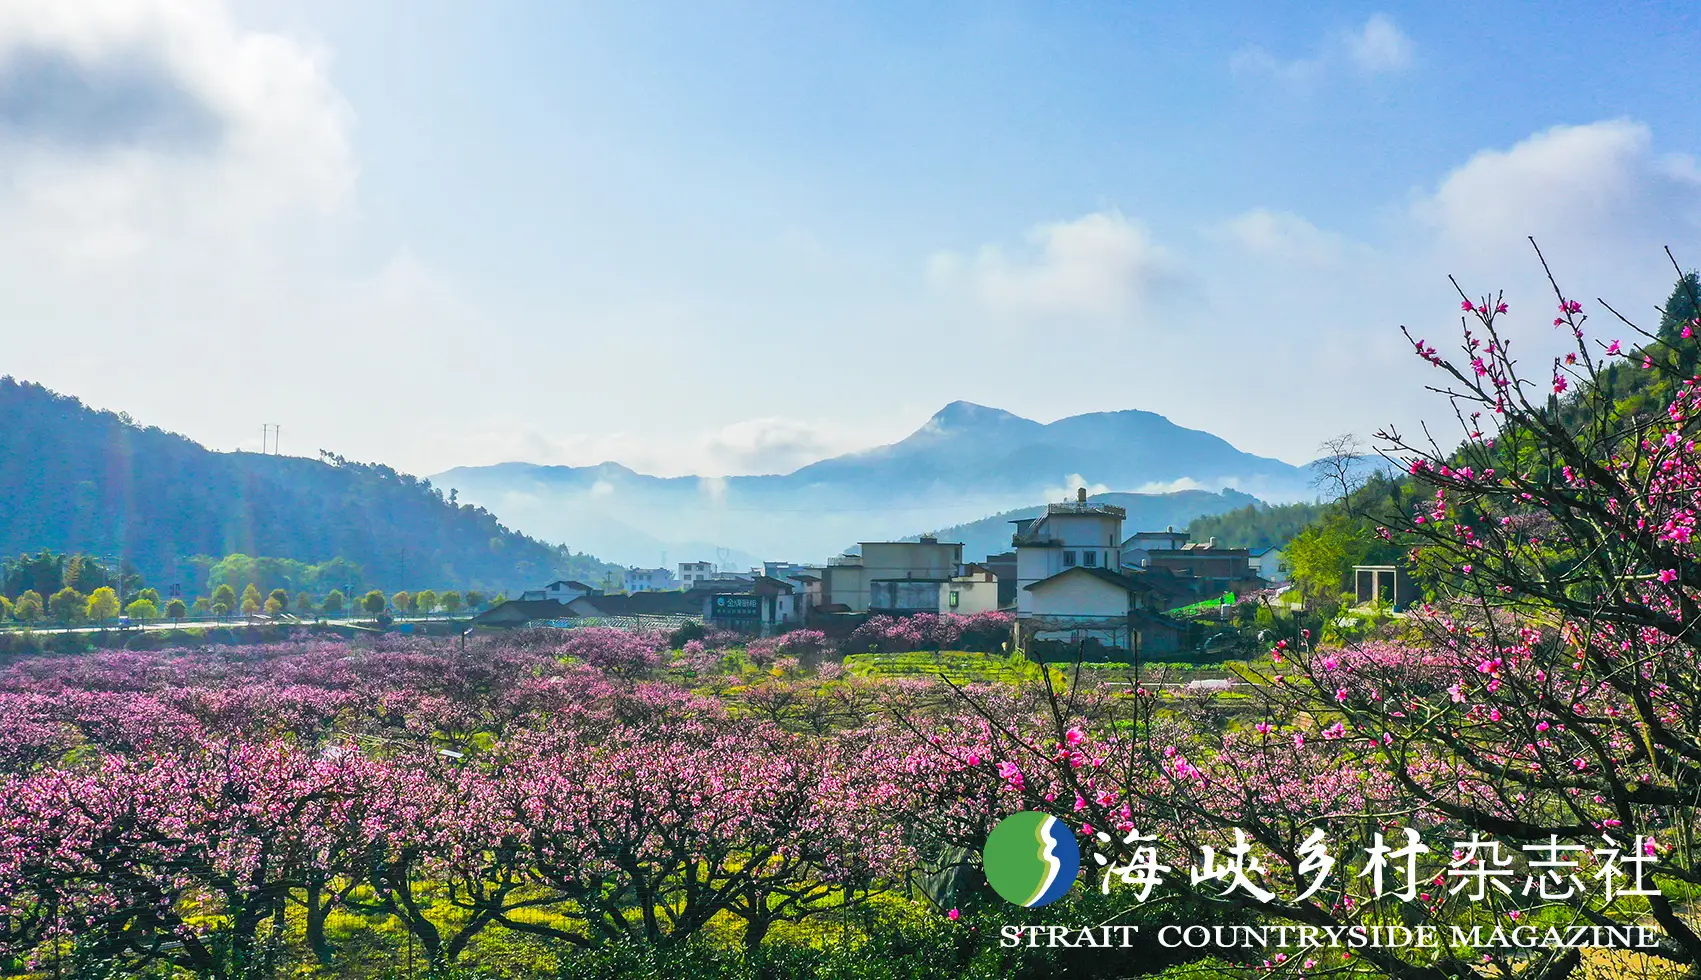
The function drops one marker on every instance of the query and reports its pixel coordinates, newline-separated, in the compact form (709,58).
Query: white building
(1138,547)
(649,580)
(1070,586)
(560,591)
(974,591)
(1270,564)
(1073,534)
(892,576)
(692,572)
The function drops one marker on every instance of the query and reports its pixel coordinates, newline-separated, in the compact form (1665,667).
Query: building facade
(1270,564)
(891,576)
(1139,547)
(692,572)
(1072,534)
(559,591)
(649,580)
(1070,586)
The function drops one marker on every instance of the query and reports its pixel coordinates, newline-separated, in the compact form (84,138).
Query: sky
(737,237)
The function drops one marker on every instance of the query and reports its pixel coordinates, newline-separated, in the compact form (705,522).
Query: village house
(1269,564)
(891,576)
(521,612)
(658,603)
(692,572)
(649,580)
(974,591)
(1070,587)
(758,605)
(1204,560)
(559,591)
(1139,546)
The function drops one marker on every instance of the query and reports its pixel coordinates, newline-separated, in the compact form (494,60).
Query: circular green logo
(1031,859)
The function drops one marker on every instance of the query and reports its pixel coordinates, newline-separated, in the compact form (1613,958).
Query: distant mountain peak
(960,412)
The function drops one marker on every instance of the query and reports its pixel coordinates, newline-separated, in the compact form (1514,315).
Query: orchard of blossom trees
(218,810)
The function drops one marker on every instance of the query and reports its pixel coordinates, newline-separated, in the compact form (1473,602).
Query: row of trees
(69,606)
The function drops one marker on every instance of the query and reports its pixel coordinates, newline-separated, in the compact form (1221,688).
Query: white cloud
(1599,184)
(1099,267)
(1285,236)
(768,445)
(1072,485)
(1172,486)
(1379,46)
(129,124)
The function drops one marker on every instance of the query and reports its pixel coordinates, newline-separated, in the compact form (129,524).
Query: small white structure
(974,591)
(1270,564)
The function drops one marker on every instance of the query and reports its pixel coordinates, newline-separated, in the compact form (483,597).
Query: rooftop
(1085,507)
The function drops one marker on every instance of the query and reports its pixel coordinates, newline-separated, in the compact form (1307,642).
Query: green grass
(956,666)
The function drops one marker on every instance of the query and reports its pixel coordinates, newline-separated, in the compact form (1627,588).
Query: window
(1090,559)
(1068,559)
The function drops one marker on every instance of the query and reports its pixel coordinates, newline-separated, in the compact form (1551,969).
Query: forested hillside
(1256,525)
(78,480)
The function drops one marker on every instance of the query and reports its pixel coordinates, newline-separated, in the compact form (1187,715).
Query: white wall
(975,594)
(1272,566)
(1076,595)
(1075,534)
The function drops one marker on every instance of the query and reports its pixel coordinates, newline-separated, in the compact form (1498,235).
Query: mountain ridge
(964,462)
(77,479)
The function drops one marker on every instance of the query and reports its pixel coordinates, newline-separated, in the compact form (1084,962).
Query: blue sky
(728,238)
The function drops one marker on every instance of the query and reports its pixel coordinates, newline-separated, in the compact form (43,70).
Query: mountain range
(74,479)
(964,463)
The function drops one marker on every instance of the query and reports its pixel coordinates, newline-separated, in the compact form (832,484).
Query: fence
(651,621)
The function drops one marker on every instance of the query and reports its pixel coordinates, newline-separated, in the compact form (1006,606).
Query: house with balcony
(1070,586)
